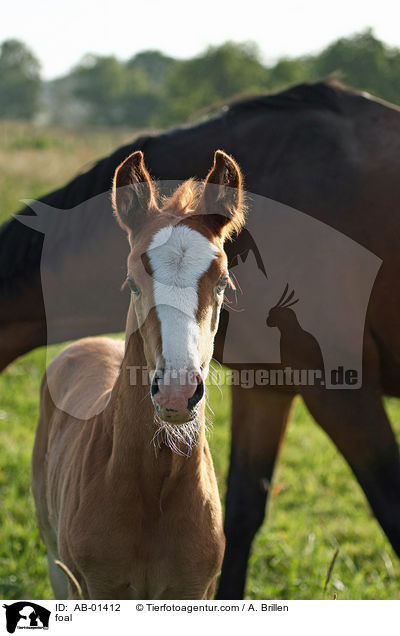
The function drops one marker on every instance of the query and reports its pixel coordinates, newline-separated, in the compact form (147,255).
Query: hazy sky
(60,32)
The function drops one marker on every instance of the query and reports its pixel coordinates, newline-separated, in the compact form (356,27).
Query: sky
(60,32)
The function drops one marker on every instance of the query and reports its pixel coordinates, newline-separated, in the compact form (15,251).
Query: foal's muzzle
(175,395)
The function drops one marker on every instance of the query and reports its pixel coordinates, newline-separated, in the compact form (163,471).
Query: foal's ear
(223,196)
(133,194)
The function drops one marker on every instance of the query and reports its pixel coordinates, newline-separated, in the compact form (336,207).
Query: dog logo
(26,615)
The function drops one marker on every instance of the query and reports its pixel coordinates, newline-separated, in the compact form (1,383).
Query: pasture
(316,506)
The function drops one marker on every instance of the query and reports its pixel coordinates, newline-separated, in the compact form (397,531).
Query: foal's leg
(259,419)
(358,425)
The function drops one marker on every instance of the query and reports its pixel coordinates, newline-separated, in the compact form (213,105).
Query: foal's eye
(132,286)
(222,284)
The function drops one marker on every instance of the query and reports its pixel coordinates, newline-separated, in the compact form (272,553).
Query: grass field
(316,505)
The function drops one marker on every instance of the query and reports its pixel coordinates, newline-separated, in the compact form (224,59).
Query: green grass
(316,504)
(316,507)
(319,507)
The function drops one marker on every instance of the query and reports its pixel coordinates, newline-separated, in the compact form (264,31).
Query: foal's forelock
(179,256)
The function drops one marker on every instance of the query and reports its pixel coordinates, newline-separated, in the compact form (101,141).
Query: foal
(127,498)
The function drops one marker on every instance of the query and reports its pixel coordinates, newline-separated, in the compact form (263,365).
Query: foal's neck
(137,449)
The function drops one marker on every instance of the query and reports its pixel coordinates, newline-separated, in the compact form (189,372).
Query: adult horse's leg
(357,423)
(22,321)
(259,418)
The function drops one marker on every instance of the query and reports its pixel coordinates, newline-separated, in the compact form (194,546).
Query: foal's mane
(184,199)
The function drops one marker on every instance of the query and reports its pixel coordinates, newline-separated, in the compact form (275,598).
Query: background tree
(220,73)
(154,90)
(362,61)
(99,81)
(19,81)
(122,93)
(145,98)
(290,71)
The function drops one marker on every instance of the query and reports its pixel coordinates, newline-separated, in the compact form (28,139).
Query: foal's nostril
(154,385)
(197,395)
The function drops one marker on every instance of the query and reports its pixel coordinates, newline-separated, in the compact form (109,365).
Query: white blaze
(179,256)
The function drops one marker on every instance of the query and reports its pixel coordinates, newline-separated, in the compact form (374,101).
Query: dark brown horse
(325,150)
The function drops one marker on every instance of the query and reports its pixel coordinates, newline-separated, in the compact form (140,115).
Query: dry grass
(36,159)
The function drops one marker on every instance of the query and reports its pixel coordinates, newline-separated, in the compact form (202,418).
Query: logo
(26,615)
(312,335)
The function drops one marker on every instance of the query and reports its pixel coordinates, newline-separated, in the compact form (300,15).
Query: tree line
(154,90)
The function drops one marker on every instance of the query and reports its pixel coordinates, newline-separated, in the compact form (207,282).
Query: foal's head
(177,273)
